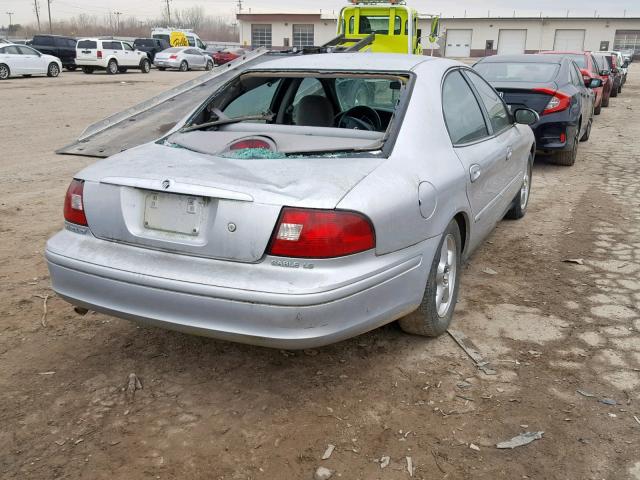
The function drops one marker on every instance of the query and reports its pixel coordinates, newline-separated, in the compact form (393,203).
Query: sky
(145,9)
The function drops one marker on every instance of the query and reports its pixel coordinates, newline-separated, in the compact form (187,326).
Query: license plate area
(174,213)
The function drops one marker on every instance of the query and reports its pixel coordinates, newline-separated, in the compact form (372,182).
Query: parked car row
(566,89)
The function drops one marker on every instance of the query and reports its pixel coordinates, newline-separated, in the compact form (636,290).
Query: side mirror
(526,116)
(595,83)
(625,64)
(605,73)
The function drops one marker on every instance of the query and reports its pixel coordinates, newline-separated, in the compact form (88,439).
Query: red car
(606,76)
(590,70)
(225,56)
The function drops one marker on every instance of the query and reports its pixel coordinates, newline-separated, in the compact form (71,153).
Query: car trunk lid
(181,201)
(524,94)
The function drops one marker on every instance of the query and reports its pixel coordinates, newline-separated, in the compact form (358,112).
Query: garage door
(569,40)
(511,42)
(458,43)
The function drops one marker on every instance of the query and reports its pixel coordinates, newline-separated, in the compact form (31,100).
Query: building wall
(540,31)
(324,29)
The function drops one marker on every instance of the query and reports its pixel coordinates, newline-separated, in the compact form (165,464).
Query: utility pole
(36,8)
(49,10)
(10,23)
(239,6)
(168,12)
(117,14)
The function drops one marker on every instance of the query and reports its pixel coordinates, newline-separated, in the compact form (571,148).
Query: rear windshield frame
(92,44)
(393,130)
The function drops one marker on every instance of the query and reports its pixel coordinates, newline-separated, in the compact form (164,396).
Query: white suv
(111,55)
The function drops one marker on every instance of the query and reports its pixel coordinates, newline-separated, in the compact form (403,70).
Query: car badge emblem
(166,184)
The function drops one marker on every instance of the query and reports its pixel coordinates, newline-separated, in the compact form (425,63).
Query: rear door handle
(475,172)
(509,153)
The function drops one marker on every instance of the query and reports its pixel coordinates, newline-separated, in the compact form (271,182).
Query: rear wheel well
(461,220)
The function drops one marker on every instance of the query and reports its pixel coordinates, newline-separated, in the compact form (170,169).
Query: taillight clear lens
(553,103)
(74,203)
(306,233)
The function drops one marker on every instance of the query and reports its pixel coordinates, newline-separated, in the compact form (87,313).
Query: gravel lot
(216,410)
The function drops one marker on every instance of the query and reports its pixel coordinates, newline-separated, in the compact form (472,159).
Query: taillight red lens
(559,101)
(99,54)
(250,143)
(74,203)
(305,233)
(173,57)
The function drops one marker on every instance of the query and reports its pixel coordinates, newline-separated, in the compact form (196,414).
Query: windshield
(346,106)
(517,72)
(162,36)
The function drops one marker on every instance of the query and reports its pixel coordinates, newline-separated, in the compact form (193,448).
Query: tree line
(208,27)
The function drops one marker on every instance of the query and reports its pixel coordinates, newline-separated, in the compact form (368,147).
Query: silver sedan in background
(183,59)
(308,200)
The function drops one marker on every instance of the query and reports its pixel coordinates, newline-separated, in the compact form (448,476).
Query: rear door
(482,158)
(130,56)
(196,58)
(510,143)
(15,60)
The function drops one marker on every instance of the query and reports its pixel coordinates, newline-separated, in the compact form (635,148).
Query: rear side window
(256,100)
(127,46)
(87,44)
(27,51)
(498,114)
(580,60)
(11,50)
(192,41)
(461,110)
(112,45)
(43,40)
(372,92)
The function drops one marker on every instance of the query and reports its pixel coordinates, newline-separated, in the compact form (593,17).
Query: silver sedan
(308,200)
(183,59)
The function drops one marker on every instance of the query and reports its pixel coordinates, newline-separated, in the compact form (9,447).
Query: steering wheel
(359,117)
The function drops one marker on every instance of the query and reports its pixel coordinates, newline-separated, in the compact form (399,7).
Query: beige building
(459,37)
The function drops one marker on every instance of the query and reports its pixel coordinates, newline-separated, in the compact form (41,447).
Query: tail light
(251,143)
(99,54)
(173,57)
(74,203)
(559,101)
(306,233)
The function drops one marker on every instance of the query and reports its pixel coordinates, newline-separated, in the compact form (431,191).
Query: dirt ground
(217,410)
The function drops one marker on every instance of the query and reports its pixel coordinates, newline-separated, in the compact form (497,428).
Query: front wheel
(209,66)
(112,67)
(614,91)
(587,133)
(53,70)
(145,66)
(521,201)
(184,66)
(433,316)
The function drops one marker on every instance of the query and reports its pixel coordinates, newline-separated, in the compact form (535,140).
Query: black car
(62,47)
(553,86)
(151,46)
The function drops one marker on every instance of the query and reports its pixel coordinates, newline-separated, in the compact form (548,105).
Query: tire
(145,65)
(5,71)
(162,69)
(112,67)
(184,66)
(87,70)
(53,70)
(620,89)
(432,318)
(568,158)
(521,200)
(587,133)
(598,109)
(605,102)
(209,66)
(614,91)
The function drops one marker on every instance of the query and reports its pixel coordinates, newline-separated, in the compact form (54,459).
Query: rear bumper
(548,130)
(332,302)
(166,63)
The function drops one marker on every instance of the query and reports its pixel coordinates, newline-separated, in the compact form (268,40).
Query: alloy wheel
(446,275)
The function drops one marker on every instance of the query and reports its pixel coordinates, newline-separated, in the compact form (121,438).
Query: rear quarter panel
(422,154)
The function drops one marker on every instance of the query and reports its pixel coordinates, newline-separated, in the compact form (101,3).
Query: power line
(10,23)
(168,12)
(49,10)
